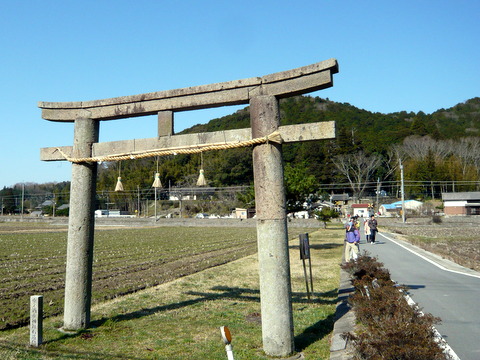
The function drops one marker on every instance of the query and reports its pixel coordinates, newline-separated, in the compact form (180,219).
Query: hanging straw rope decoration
(201,178)
(193,149)
(157,183)
(119,186)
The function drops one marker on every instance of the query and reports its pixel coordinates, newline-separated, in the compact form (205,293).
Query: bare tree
(395,156)
(415,148)
(358,169)
(419,147)
(467,150)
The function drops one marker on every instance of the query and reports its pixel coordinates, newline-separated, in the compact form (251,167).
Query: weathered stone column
(272,235)
(78,280)
(165,123)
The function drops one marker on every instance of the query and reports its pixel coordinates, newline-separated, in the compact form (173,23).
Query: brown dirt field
(122,263)
(454,238)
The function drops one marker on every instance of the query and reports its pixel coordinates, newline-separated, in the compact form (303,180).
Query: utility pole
(23,198)
(138,200)
(155,204)
(402,190)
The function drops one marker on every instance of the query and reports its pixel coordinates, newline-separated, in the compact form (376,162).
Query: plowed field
(33,259)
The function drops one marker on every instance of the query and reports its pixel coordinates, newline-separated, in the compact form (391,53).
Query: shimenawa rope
(193,149)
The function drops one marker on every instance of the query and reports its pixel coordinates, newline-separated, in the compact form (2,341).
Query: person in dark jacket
(372,224)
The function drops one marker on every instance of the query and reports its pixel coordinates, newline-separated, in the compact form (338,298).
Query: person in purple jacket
(351,243)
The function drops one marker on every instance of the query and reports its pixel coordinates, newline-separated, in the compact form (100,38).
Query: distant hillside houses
(39,210)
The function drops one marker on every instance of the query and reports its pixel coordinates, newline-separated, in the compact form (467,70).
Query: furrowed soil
(180,319)
(129,255)
(453,238)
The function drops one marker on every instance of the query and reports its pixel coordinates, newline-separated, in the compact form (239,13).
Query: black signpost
(304,255)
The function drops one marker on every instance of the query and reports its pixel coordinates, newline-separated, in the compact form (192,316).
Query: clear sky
(413,55)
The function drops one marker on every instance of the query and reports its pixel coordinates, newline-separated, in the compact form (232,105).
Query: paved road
(439,287)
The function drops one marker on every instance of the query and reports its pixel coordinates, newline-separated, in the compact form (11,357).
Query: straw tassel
(119,186)
(157,183)
(201,179)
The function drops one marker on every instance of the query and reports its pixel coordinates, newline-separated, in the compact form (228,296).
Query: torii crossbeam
(262,93)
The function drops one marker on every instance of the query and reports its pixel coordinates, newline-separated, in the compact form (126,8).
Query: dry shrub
(436,219)
(389,328)
(365,269)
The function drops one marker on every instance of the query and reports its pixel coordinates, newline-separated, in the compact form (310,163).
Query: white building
(396,207)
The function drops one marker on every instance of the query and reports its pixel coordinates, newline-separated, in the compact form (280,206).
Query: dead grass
(455,238)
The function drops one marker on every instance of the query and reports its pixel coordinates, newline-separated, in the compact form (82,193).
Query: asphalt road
(439,287)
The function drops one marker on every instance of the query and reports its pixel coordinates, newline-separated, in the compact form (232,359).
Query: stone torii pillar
(272,232)
(78,276)
(262,93)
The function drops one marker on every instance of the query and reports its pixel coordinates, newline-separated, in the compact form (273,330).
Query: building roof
(390,206)
(339,197)
(360,206)
(470,195)
(398,204)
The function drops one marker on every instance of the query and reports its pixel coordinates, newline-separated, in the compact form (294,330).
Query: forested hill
(357,130)
(372,132)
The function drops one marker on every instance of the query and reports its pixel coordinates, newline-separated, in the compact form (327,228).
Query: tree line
(441,147)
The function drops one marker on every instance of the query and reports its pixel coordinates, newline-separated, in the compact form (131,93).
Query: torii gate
(262,93)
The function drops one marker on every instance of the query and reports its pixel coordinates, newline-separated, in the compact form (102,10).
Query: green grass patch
(180,318)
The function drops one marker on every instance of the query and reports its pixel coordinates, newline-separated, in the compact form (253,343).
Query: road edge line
(429,260)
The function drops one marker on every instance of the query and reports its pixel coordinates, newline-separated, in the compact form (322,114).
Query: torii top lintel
(282,84)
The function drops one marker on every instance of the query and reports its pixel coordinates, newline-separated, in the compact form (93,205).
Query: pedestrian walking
(366,230)
(372,224)
(351,243)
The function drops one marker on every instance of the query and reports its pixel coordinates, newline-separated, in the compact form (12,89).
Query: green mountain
(357,130)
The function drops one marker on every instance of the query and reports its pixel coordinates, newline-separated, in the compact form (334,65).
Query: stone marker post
(36,320)
(78,279)
(272,235)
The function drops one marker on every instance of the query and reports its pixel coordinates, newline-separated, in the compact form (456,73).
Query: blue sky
(408,55)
